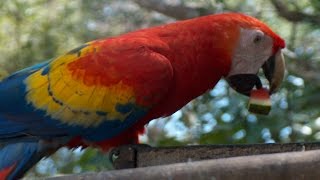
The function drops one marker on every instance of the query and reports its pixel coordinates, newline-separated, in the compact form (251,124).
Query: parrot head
(257,47)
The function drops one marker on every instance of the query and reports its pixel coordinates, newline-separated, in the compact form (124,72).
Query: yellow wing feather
(71,101)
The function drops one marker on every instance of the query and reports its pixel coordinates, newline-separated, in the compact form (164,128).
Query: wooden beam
(279,166)
(130,156)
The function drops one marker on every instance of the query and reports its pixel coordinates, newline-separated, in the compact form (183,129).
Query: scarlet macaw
(102,93)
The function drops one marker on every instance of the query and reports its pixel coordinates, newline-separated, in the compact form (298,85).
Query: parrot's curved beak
(273,68)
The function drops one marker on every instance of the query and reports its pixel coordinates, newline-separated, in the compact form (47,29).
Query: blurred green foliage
(35,30)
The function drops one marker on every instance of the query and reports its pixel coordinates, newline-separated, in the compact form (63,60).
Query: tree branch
(185,12)
(175,11)
(294,16)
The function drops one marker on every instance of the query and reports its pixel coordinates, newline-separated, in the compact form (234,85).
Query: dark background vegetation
(32,31)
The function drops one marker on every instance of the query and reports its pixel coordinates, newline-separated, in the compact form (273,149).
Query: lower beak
(273,69)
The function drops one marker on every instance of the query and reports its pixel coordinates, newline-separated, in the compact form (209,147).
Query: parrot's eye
(258,37)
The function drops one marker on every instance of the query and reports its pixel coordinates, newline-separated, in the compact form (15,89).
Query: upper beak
(274,69)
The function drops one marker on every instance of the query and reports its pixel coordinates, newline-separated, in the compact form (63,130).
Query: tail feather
(17,158)
(4,173)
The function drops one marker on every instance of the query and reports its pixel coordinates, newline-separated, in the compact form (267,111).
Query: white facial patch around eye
(253,49)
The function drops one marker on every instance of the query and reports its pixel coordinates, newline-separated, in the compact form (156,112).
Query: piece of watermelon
(259,102)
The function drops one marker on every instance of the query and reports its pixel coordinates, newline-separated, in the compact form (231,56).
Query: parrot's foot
(124,157)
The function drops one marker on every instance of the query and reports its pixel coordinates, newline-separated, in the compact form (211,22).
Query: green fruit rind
(259,108)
